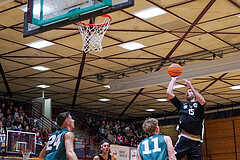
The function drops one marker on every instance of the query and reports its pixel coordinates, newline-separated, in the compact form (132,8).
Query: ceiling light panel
(149,12)
(40,44)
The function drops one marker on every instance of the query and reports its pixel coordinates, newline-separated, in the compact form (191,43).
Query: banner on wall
(123,152)
(133,154)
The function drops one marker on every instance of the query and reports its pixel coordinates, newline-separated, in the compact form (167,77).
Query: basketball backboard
(44,15)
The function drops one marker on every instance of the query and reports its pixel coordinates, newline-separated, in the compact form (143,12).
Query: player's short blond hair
(150,124)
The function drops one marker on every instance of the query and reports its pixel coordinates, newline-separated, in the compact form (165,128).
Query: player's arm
(68,141)
(198,96)
(42,153)
(170,93)
(138,154)
(96,158)
(113,158)
(170,150)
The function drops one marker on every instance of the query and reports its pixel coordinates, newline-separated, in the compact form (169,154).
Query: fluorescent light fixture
(36,9)
(40,44)
(150,110)
(43,86)
(131,45)
(178,86)
(40,68)
(149,12)
(107,86)
(162,100)
(104,100)
(235,87)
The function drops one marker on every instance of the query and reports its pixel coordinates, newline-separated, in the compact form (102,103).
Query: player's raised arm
(198,96)
(170,150)
(68,141)
(42,153)
(169,92)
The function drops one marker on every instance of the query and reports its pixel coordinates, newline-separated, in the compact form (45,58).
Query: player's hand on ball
(175,78)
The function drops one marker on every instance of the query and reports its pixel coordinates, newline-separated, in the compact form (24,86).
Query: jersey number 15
(146,146)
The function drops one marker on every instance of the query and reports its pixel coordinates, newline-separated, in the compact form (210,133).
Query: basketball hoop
(26,154)
(92,34)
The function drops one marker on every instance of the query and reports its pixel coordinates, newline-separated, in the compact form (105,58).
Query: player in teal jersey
(60,143)
(156,146)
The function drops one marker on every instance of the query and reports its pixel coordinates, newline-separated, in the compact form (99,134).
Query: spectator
(16,122)
(31,124)
(37,124)
(37,129)
(106,132)
(33,130)
(15,113)
(1,113)
(130,133)
(2,135)
(39,143)
(25,118)
(125,142)
(18,127)
(8,122)
(43,132)
(111,125)
(93,125)
(3,120)
(3,107)
(12,108)
(49,132)
(21,115)
(107,125)
(119,139)
(110,137)
(127,128)
(97,138)
(102,131)
(116,127)
(24,124)
(27,129)
(20,110)
(8,113)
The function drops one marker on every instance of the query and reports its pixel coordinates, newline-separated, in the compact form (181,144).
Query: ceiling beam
(191,71)
(5,81)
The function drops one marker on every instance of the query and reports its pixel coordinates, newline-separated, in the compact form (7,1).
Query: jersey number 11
(146,146)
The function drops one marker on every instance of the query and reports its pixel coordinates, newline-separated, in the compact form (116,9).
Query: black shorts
(185,146)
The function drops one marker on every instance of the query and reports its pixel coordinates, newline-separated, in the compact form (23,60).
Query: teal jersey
(153,148)
(55,149)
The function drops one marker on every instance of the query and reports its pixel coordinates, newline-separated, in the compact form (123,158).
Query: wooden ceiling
(191,31)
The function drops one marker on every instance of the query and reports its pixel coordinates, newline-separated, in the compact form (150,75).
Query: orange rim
(98,25)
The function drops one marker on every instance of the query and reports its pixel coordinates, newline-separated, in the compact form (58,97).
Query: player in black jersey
(104,155)
(191,121)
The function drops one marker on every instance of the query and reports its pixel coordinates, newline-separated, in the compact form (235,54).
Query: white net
(92,35)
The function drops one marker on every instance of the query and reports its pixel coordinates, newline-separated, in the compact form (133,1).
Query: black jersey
(101,158)
(191,116)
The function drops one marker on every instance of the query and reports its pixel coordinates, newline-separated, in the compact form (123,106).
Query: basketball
(174,70)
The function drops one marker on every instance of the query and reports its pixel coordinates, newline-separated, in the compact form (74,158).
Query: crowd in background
(14,118)
(117,132)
